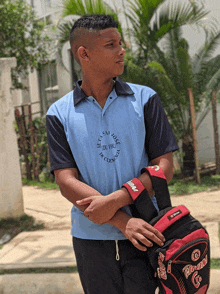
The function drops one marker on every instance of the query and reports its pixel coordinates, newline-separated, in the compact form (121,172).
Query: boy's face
(106,56)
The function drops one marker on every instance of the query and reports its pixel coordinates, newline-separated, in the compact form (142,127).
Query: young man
(100,136)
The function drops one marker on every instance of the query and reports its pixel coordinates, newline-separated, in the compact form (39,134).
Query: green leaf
(156,65)
(21,37)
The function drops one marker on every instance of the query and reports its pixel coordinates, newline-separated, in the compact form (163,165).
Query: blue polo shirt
(109,146)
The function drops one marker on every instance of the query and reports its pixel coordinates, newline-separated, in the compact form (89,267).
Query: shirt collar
(121,89)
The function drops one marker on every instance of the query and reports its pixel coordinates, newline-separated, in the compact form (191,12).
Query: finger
(159,235)
(153,237)
(143,240)
(155,232)
(138,245)
(86,212)
(84,201)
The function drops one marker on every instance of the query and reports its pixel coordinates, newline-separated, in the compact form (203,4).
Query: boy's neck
(97,88)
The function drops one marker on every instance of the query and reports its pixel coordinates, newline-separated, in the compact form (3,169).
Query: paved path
(53,248)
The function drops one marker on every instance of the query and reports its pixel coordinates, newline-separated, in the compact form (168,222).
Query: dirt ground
(47,206)
(54,210)
(205,206)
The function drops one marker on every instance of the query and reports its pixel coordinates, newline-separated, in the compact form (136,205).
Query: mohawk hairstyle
(93,22)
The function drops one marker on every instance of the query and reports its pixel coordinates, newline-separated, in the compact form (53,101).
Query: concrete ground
(52,247)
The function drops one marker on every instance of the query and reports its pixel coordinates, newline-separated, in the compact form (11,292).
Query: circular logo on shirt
(109,146)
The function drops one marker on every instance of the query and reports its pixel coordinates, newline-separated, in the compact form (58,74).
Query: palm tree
(173,72)
(152,20)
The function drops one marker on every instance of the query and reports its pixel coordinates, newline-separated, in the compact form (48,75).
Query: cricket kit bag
(182,264)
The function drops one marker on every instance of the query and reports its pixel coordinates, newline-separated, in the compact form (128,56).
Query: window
(49,90)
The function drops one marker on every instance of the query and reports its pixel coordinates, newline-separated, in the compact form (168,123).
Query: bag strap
(143,207)
(160,186)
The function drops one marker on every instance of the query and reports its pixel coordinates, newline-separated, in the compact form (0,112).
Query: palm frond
(172,15)
(171,97)
(74,7)
(212,67)
(185,68)
(214,82)
(156,65)
(204,107)
(80,7)
(142,11)
(177,57)
(206,52)
(64,29)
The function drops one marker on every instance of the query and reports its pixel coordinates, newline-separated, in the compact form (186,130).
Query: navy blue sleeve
(159,135)
(59,149)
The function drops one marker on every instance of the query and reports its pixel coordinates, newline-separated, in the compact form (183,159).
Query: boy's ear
(82,53)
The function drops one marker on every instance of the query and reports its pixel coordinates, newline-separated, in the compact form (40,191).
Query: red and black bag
(182,265)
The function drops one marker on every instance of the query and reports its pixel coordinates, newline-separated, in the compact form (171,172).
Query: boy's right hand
(137,230)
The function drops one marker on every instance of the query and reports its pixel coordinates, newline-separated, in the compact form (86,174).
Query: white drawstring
(117,250)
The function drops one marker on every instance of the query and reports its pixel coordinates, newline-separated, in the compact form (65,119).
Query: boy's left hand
(100,208)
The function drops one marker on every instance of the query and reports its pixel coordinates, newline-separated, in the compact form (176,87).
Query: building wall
(205,137)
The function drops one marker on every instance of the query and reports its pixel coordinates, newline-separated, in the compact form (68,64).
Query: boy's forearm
(73,190)
(165,163)
(119,220)
(122,196)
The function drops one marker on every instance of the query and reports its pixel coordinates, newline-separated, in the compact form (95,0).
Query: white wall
(205,137)
(34,91)
(11,200)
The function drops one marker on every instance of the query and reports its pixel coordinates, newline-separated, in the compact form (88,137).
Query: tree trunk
(216,138)
(188,158)
(23,142)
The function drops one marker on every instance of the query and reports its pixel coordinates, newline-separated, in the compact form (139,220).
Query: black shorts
(101,273)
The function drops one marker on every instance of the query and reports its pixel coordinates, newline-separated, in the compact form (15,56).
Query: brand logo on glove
(155,167)
(156,171)
(132,185)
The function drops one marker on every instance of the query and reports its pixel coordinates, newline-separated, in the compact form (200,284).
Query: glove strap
(134,187)
(154,171)
(143,206)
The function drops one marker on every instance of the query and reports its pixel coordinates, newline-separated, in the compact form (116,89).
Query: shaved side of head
(83,37)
